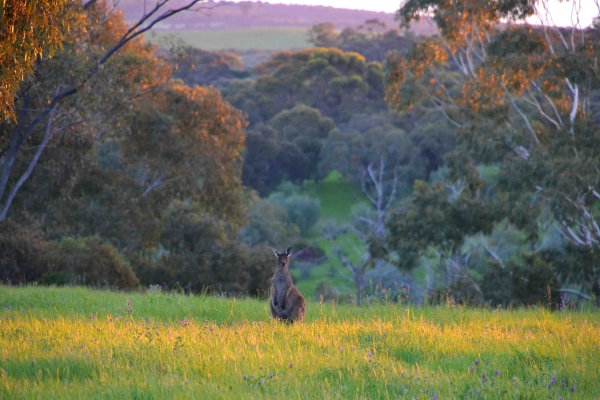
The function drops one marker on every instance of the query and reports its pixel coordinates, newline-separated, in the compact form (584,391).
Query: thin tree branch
(89,4)
(32,164)
(514,104)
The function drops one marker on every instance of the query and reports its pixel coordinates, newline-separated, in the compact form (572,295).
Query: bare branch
(392,197)
(89,4)
(453,122)
(522,152)
(157,183)
(575,92)
(32,164)
(533,101)
(494,254)
(516,107)
(364,188)
(575,292)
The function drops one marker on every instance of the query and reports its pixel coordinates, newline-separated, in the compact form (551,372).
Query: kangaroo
(287,304)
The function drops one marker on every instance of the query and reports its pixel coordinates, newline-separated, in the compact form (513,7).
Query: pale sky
(560,11)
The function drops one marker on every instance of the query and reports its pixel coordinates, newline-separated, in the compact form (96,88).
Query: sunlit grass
(78,343)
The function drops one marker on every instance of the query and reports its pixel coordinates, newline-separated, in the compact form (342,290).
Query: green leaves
(28,30)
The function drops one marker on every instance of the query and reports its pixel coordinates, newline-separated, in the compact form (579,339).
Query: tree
(29,31)
(261,170)
(438,216)
(351,153)
(372,39)
(306,128)
(26,127)
(520,96)
(379,185)
(268,224)
(199,67)
(338,84)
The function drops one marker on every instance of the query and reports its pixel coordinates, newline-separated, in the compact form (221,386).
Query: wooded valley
(460,166)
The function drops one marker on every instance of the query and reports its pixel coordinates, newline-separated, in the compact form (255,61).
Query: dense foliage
(475,151)
(137,173)
(524,101)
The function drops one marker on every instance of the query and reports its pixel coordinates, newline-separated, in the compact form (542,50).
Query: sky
(560,11)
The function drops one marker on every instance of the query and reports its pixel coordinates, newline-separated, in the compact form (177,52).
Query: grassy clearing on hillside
(272,39)
(337,198)
(78,343)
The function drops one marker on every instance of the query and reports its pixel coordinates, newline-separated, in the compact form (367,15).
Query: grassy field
(271,39)
(78,343)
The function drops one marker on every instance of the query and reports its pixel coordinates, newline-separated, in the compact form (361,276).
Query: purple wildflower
(472,368)
(290,365)
(245,377)
(476,362)
(497,372)
(573,389)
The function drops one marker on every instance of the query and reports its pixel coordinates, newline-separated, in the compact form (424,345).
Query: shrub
(22,249)
(325,292)
(532,283)
(88,261)
(200,256)
(268,225)
(303,211)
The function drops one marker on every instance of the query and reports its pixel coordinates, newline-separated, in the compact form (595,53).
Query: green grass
(337,198)
(78,343)
(272,39)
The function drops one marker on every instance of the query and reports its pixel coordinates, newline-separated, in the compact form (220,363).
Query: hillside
(263,15)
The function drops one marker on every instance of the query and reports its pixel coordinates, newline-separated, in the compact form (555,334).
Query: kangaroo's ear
(288,251)
(277,254)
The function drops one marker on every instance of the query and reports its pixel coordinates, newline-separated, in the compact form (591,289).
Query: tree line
(475,150)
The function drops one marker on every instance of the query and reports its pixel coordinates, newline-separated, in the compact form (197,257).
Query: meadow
(269,39)
(82,343)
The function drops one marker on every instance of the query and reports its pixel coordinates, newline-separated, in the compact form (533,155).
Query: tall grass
(79,343)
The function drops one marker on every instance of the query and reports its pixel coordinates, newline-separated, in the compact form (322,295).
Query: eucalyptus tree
(521,96)
(47,104)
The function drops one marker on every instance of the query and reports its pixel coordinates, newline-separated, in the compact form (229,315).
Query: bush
(325,292)
(268,225)
(22,250)
(303,211)
(87,261)
(26,256)
(532,283)
(201,257)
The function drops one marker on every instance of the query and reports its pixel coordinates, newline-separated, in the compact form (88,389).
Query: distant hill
(246,15)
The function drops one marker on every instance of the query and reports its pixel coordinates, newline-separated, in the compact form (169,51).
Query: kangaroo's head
(283,258)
